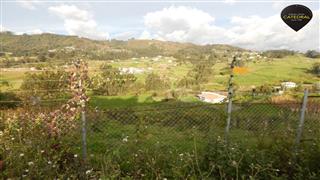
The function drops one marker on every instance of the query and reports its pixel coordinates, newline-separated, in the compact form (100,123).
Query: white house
(212,97)
(288,85)
(131,70)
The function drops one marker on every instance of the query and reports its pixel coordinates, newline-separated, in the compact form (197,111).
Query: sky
(251,24)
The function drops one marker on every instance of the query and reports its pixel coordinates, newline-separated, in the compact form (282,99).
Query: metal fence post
(301,122)
(230,95)
(84,135)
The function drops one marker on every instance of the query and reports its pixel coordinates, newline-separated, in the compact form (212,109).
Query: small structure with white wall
(212,97)
(288,85)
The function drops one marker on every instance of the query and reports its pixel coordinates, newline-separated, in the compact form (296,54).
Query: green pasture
(291,68)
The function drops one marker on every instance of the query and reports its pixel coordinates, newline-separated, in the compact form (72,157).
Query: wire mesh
(176,125)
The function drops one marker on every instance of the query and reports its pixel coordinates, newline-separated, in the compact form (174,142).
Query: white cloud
(3,29)
(272,33)
(124,35)
(145,35)
(33,31)
(278,5)
(184,24)
(230,1)
(180,24)
(29,4)
(78,22)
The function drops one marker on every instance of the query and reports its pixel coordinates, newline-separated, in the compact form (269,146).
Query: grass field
(292,68)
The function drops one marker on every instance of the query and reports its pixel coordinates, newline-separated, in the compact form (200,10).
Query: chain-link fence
(177,125)
(169,127)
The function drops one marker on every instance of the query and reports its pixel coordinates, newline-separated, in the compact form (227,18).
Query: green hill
(28,45)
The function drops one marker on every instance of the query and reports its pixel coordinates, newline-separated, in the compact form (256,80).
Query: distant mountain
(41,43)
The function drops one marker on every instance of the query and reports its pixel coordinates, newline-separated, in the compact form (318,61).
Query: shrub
(9,100)
(312,54)
(154,82)
(316,69)
(111,81)
(46,85)
(278,53)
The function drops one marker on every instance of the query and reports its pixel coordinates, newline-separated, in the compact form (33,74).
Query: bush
(46,85)
(154,82)
(316,69)
(29,149)
(9,100)
(312,54)
(111,81)
(278,53)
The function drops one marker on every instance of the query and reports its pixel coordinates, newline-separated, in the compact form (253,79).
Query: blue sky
(248,24)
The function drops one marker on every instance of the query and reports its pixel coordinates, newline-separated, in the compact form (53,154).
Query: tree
(51,84)
(312,54)
(316,69)
(8,99)
(154,82)
(198,74)
(111,81)
(42,57)
(278,53)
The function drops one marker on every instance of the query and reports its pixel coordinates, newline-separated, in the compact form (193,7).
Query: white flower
(49,162)
(27,170)
(30,163)
(181,154)
(88,171)
(76,155)
(125,139)
(21,155)
(42,151)
(234,163)
(12,139)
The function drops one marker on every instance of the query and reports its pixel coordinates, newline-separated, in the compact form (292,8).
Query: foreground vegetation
(144,120)
(171,140)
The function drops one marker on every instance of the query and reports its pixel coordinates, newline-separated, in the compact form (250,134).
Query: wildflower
(49,162)
(181,154)
(234,163)
(42,151)
(30,163)
(53,166)
(12,139)
(21,155)
(27,170)
(125,139)
(76,155)
(88,171)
